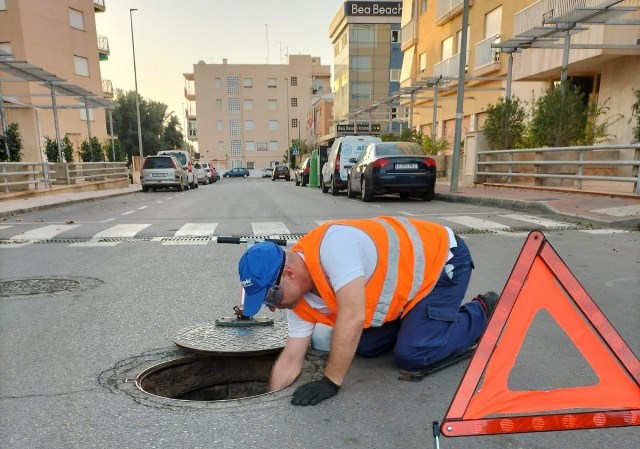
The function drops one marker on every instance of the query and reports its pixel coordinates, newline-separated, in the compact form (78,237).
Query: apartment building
(604,58)
(61,39)
(366,39)
(247,115)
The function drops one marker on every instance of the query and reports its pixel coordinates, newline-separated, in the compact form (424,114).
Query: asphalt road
(67,358)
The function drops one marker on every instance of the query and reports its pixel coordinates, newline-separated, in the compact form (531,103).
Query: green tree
(559,118)
(67,149)
(13,140)
(172,134)
(91,152)
(118,148)
(51,149)
(598,122)
(434,147)
(635,116)
(505,124)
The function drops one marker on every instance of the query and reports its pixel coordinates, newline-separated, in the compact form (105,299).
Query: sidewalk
(612,210)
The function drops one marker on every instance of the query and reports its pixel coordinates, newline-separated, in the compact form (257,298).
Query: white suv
(336,169)
(185,159)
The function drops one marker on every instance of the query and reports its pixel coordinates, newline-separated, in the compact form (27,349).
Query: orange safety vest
(411,255)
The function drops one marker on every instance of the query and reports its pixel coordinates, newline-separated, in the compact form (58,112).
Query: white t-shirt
(346,253)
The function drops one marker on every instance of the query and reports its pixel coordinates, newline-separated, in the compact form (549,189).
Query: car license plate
(158,175)
(406,166)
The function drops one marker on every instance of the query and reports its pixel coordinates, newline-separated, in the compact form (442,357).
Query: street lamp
(288,123)
(135,77)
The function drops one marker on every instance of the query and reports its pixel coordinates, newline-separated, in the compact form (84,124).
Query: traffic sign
(484,403)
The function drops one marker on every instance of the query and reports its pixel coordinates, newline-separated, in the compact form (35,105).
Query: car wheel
(297,182)
(428,195)
(179,187)
(324,188)
(197,185)
(305,181)
(350,192)
(334,187)
(145,189)
(367,192)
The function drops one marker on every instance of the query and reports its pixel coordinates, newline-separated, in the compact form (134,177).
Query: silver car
(162,172)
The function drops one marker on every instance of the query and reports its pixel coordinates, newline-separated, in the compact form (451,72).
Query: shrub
(13,141)
(118,148)
(505,125)
(598,122)
(635,117)
(434,147)
(91,152)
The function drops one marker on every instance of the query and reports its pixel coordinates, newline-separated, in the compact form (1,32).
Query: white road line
(121,231)
(476,223)
(142,207)
(5,227)
(539,221)
(196,229)
(269,228)
(604,231)
(130,212)
(44,233)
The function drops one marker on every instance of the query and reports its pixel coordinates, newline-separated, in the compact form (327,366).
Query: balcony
(448,68)
(103,48)
(107,88)
(190,92)
(487,59)
(409,34)
(98,6)
(448,9)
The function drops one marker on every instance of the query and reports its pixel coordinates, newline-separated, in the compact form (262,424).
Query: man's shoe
(488,302)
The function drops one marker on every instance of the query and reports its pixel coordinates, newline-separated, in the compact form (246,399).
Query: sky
(171,36)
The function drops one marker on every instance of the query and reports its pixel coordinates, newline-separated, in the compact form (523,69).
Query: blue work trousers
(437,326)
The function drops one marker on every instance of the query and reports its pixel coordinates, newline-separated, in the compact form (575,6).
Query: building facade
(366,39)
(432,38)
(61,39)
(247,115)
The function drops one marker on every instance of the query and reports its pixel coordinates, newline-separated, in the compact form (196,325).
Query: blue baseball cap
(259,268)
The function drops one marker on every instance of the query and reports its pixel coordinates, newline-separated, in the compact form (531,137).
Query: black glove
(313,393)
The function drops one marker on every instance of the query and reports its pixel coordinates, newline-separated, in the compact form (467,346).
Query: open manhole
(212,378)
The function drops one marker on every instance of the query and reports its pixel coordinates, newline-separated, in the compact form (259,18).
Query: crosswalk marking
(45,232)
(269,228)
(539,221)
(196,229)
(121,231)
(4,227)
(476,223)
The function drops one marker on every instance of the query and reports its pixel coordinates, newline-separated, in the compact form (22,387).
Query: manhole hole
(212,378)
(49,285)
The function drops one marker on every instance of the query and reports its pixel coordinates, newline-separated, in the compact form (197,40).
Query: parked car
(302,172)
(185,159)
(201,173)
(392,167)
(336,169)
(163,172)
(267,172)
(236,173)
(281,172)
(210,172)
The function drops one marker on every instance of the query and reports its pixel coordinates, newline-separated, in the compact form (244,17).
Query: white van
(336,169)
(185,159)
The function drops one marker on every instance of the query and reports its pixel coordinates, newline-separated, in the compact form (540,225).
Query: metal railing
(449,68)
(24,176)
(620,163)
(446,8)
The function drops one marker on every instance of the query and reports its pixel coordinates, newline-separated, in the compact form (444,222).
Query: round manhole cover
(48,285)
(213,339)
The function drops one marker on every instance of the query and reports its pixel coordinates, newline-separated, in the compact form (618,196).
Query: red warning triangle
(484,404)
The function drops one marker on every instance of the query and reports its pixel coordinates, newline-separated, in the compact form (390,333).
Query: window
(273,125)
(423,6)
(361,63)
(272,83)
(234,106)
(395,36)
(221,145)
(274,145)
(3,5)
(250,146)
(262,146)
(361,91)
(248,125)
(233,85)
(193,127)
(272,104)
(251,165)
(294,122)
(394,75)
(447,48)
(422,61)
(294,102)
(363,34)
(219,125)
(218,83)
(6,47)
(83,115)
(219,103)
(76,19)
(236,148)
(294,80)
(81,66)
(248,105)
(459,40)
(492,22)
(234,128)
(247,82)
